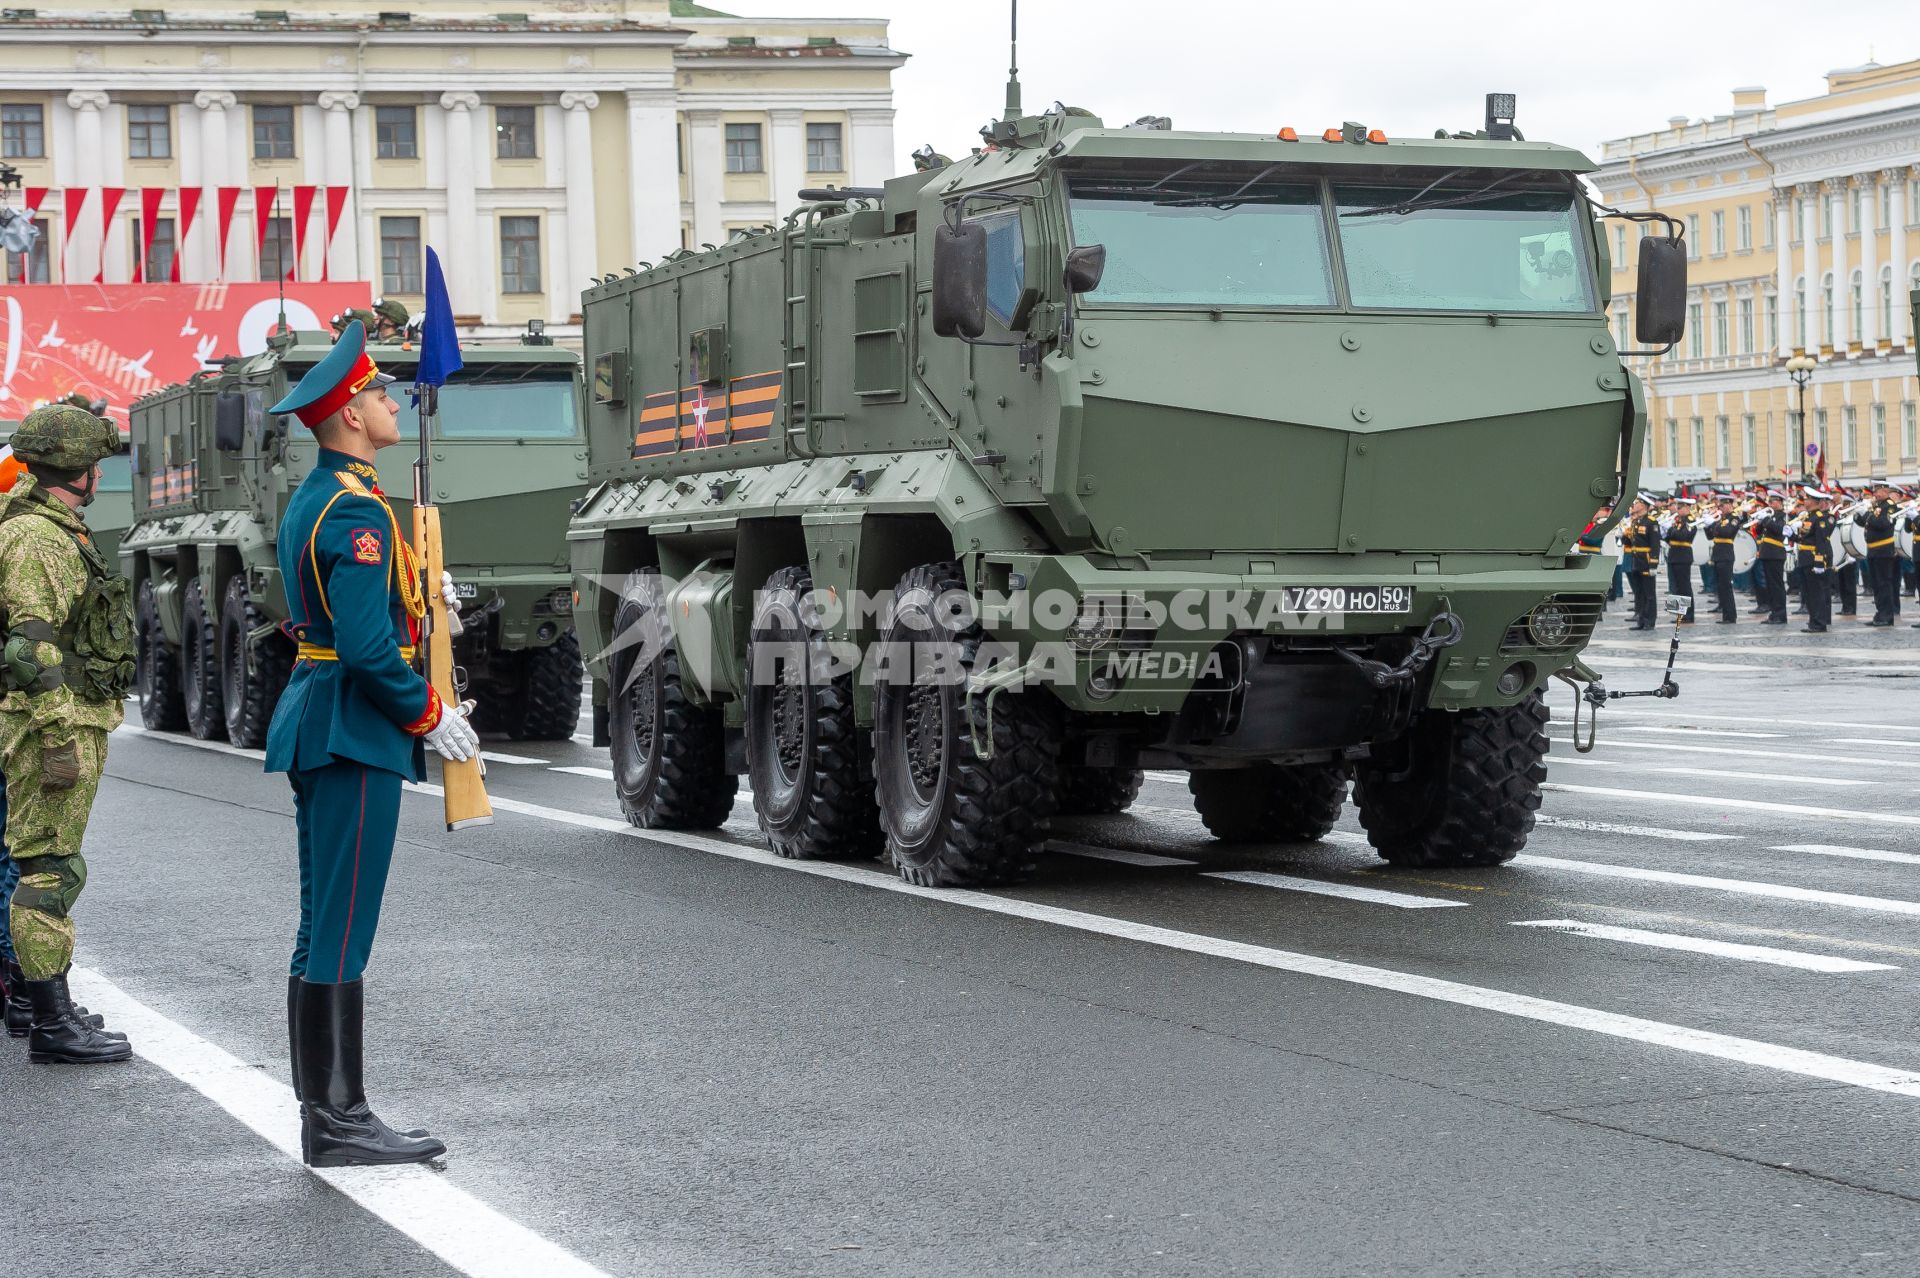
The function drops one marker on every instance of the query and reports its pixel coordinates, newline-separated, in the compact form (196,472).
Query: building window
(1909,430)
(23,133)
(1879,432)
(149,132)
(1693,236)
(1623,334)
(1619,248)
(1743,228)
(400,255)
(823,149)
(1746,326)
(1698,429)
(1886,302)
(513,134)
(1802,330)
(1766,230)
(1673,442)
(1886,204)
(1719,231)
(1773,323)
(1820,432)
(1913,202)
(395,133)
(1720,343)
(29,267)
(1849,427)
(1826,216)
(272,132)
(1720,438)
(1696,335)
(680,147)
(743,149)
(1747,455)
(1798,229)
(1826,310)
(159,263)
(1859,310)
(520,255)
(276,254)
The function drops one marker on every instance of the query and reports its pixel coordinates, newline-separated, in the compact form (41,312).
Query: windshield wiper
(1417,202)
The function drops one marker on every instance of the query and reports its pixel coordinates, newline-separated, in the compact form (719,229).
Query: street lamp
(1800,369)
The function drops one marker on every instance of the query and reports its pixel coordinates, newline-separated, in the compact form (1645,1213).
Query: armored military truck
(950,505)
(212,471)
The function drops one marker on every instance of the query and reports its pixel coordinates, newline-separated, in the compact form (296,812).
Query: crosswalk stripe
(1635,831)
(1793,778)
(495,756)
(1697,732)
(1125,856)
(1372,896)
(598,774)
(1751,805)
(1857,854)
(1607,740)
(1741,887)
(1701,945)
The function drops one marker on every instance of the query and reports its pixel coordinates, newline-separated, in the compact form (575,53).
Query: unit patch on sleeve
(366,546)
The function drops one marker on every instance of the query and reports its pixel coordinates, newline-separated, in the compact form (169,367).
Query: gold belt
(1875,545)
(314,652)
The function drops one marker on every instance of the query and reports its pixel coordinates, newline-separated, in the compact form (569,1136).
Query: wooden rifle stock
(464,784)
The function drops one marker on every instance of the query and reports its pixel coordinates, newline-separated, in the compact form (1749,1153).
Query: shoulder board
(351,482)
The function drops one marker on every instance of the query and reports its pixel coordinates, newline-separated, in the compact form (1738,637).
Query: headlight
(1549,625)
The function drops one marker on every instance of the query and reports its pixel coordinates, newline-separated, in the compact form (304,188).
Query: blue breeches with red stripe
(346,815)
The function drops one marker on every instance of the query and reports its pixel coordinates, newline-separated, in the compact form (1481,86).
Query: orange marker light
(1331,135)
(1288,135)
(1378,135)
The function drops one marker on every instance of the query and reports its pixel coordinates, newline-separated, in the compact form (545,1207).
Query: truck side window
(1006,263)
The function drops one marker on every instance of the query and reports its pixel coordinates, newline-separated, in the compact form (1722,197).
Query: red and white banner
(122,341)
(302,214)
(110,197)
(72,200)
(189,204)
(336,205)
(229,200)
(150,197)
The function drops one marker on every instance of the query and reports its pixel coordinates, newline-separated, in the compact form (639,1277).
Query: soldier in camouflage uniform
(68,662)
(387,321)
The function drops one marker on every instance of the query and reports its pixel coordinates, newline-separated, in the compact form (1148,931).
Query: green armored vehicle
(951,505)
(212,470)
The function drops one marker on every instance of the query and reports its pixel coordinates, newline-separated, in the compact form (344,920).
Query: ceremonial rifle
(464,783)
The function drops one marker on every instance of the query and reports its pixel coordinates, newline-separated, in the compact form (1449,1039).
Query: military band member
(1770,560)
(1813,548)
(1679,539)
(1721,533)
(1640,547)
(349,729)
(1883,557)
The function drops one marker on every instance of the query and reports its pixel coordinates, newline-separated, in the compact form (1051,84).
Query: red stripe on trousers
(353,890)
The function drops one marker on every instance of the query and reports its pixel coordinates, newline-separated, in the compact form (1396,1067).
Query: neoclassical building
(1803,221)
(533,149)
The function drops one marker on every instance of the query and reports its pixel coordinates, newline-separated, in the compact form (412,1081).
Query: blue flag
(439,344)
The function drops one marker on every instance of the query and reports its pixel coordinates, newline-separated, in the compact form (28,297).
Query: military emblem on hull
(696,417)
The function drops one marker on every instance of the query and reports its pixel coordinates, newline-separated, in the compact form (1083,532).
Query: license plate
(466,590)
(1360,599)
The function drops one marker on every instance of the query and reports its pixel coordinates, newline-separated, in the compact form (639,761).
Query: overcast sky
(1582,72)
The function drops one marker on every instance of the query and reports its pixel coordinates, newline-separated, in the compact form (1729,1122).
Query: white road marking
(584,738)
(181,738)
(1751,805)
(1124,856)
(1741,887)
(1635,831)
(1865,741)
(1858,854)
(415,1200)
(1700,945)
(1372,896)
(1696,732)
(1736,752)
(496,756)
(1795,779)
(1725,1047)
(598,774)
(1697,645)
(1178,778)
(1670,716)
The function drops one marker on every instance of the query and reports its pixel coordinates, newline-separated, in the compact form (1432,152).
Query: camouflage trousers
(44,831)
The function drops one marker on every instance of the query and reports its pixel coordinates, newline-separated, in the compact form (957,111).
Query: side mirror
(960,280)
(1085,266)
(229,422)
(1661,304)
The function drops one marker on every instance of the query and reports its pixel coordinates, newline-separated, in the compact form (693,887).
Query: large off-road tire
(544,701)
(200,666)
(952,817)
(157,677)
(251,682)
(1270,802)
(669,755)
(809,762)
(1466,792)
(1088,791)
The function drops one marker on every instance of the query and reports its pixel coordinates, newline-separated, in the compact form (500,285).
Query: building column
(1869,334)
(1809,319)
(789,155)
(707,165)
(1839,188)
(466,256)
(870,149)
(343,253)
(90,145)
(582,259)
(1783,271)
(1902,330)
(653,200)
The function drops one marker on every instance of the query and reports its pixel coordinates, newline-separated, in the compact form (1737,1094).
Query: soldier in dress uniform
(349,729)
(1770,561)
(1679,538)
(1813,548)
(1721,532)
(1883,557)
(1640,545)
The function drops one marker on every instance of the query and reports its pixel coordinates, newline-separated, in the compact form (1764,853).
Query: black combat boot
(60,1037)
(337,1128)
(19,1013)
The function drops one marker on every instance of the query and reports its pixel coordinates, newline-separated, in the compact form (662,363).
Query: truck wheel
(1270,802)
(669,755)
(249,688)
(548,699)
(200,666)
(953,818)
(1098,791)
(807,758)
(1468,792)
(158,673)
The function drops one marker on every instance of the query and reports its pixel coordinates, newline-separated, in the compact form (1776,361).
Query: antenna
(1013,66)
(279,262)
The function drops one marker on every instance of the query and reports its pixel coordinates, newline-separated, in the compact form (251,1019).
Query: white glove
(451,594)
(452,737)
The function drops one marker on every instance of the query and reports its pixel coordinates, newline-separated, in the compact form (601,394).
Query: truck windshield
(116,474)
(1498,252)
(1207,244)
(495,408)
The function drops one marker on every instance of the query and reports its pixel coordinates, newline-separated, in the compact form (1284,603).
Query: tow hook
(1595,695)
(1444,631)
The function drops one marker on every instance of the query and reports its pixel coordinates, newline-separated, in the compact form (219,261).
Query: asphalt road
(680,1056)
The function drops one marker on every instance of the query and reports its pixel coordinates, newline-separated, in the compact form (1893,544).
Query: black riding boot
(60,1037)
(19,1013)
(294,985)
(337,1128)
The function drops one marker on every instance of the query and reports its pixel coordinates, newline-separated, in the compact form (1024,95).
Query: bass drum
(1903,535)
(1745,550)
(1702,546)
(1854,536)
